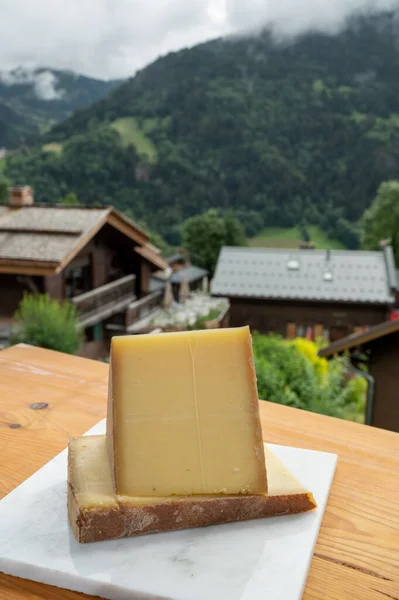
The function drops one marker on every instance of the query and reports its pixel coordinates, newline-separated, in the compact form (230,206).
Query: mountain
(31,101)
(280,131)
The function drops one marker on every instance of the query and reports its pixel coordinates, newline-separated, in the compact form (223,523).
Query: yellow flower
(310,349)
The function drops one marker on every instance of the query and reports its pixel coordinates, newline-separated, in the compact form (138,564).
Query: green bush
(47,323)
(289,376)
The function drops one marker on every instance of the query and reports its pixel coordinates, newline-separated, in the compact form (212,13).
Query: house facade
(95,257)
(378,349)
(310,293)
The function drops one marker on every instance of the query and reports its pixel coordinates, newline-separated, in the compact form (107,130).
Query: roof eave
(359,339)
(385,302)
(28,267)
(127,226)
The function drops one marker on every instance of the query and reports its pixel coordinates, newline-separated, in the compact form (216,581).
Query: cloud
(44,82)
(113,38)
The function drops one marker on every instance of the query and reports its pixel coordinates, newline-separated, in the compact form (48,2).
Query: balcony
(105,301)
(143,308)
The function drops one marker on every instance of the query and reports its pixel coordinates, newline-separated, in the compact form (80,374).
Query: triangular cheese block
(96,513)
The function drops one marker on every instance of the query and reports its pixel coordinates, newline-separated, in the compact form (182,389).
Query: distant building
(95,257)
(181,272)
(309,293)
(378,348)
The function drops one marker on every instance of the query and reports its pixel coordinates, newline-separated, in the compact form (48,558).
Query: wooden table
(357,553)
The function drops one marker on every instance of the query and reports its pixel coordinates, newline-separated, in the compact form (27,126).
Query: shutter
(291,331)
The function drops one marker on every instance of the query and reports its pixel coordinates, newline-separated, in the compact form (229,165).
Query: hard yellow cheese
(90,477)
(183,415)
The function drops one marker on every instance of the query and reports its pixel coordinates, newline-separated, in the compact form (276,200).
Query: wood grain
(357,553)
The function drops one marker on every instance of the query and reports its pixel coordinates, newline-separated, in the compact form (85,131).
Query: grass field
(131,133)
(53,147)
(2,164)
(281,237)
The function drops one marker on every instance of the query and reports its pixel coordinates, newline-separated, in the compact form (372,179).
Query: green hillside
(276,132)
(281,237)
(132,134)
(53,147)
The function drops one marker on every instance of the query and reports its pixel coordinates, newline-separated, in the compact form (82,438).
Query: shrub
(47,323)
(291,373)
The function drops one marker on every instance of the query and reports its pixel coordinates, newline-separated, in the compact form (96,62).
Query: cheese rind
(96,514)
(183,415)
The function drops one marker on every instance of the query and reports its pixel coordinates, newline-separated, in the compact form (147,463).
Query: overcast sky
(113,38)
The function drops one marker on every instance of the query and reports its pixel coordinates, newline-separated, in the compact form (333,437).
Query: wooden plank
(357,553)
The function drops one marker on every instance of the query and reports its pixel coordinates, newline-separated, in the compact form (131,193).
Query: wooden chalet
(95,257)
(312,293)
(378,349)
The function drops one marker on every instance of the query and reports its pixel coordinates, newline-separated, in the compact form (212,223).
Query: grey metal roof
(189,274)
(175,257)
(320,275)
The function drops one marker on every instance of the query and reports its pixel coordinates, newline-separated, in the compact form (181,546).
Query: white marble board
(253,560)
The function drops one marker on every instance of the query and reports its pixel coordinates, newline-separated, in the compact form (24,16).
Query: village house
(312,293)
(95,257)
(377,348)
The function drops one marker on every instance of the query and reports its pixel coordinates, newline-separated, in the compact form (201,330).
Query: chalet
(378,349)
(95,257)
(309,292)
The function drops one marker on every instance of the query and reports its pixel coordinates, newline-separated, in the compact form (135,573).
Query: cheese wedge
(183,415)
(96,513)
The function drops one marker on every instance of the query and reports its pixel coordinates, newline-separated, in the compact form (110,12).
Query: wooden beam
(25,268)
(83,241)
(124,226)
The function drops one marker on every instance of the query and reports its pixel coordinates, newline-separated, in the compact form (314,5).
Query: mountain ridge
(37,98)
(278,133)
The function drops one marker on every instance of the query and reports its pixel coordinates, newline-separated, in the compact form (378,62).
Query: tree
(4,184)
(204,236)
(381,220)
(71,199)
(234,233)
(303,228)
(47,323)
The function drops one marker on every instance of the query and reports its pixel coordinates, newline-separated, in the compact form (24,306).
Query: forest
(278,132)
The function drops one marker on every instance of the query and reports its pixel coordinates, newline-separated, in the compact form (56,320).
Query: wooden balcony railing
(143,307)
(105,301)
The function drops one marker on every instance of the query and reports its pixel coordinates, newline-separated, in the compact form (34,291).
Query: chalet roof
(312,275)
(49,236)
(147,252)
(189,274)
(359,339)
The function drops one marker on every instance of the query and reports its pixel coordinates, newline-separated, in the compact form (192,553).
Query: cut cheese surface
(90,477)
(183,415)
(89,471)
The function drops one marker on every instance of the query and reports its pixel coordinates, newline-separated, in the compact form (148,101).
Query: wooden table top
(357,553)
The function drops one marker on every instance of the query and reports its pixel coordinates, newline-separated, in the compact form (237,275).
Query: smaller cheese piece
(183,414)
(96,514)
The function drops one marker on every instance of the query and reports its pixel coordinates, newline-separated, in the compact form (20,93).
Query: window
(77,281)
(305,331)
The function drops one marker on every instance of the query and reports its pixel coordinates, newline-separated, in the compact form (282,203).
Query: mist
(114,38)
(44,83)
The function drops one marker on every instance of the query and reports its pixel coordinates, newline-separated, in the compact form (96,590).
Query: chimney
(20,196)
